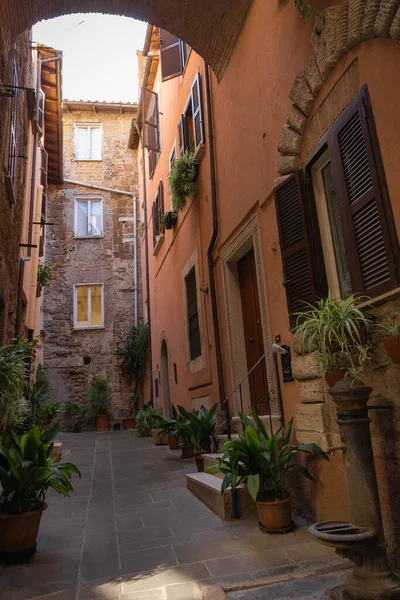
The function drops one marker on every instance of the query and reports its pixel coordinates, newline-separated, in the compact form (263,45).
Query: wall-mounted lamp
(204,289)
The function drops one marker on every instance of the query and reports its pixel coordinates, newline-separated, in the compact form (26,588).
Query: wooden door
(253,331)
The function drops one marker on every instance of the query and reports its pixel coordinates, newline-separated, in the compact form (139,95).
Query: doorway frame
(166,372)
(248,238)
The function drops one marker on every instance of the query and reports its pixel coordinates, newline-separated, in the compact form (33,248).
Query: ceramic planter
(18,533)
(331,377)
(159,440)
(77,428)
(186,452)
(199,463)
(102,422)
(392,347)
(128,423)
(173,442)
(275,517)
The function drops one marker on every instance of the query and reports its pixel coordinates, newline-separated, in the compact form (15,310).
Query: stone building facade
(92,303)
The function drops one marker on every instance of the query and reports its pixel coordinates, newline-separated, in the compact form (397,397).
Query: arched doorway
(165,386)
(210,28)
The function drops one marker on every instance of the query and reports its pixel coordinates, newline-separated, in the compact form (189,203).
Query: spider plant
(13,369)
(183,179)
(391,326)
(335,329)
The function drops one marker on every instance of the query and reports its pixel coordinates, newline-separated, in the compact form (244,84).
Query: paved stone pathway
(132,531)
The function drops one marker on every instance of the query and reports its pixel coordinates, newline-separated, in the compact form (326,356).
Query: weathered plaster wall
(108,260)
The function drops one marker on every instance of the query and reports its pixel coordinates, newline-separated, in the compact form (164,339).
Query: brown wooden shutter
(299,279)
(155,224)
(364,214)
(170,55)
(183,136)
(197,112)
(151,138)
(161,197)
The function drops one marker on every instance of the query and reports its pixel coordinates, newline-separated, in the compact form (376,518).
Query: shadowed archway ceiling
(210,27)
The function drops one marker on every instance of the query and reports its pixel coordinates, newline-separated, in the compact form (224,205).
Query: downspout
(146,238)
(215,231)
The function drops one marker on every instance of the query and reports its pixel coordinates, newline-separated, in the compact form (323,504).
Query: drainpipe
(94,186)
(146,238)
(213,240)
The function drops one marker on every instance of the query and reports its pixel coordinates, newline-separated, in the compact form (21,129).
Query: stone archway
(211,28)
(338,29)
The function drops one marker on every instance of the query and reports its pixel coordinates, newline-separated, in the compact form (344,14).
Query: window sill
(197,364)
(159,241)
(88,160)
(95,327)
(88,237)
(199,152)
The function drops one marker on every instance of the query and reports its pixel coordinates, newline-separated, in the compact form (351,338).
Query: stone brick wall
(11,214)
(74,357)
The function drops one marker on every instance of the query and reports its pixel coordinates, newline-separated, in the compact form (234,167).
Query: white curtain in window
(96,218)
(82,219)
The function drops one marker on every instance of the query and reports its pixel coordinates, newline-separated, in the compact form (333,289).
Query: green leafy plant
(176,425)
(27,472)
(335,330)
(264,462)
(76,412)
(148,418)
(99,395)
(49,412)
(183,180)
(39,394)
(45,274)
(304,7)
(169,219)
(202,428)
(134,353)
(391,326)
(14,407)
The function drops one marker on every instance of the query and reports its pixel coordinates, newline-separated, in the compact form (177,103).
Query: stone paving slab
(132,531)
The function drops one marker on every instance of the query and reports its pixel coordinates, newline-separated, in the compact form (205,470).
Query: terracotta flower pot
(45,426)
(159,440)
(173,442)
(275,516)
(186,452)
(102,422)
(18,533)
(78,428)
(128,423)
(199,463)
(331,377)
(392,346)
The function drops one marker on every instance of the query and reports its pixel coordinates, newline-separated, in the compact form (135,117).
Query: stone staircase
(207,488)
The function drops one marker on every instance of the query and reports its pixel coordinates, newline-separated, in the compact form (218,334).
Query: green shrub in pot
(27,472)
(14,408)
(202,426)
(148,418)
(265,463)
(391,326)
(99,396)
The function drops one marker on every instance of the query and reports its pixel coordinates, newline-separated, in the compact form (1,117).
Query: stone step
(224,438)
(212,459)
(208,489)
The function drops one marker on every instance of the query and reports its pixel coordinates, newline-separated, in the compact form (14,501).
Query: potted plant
(169,219)
(391,326)
(169,428)
(265,463)
(14,407)
(335,330)
(26,473)
(203,430)
(183,180)
(146,418)
(99,397)
(134,353)
(77,414)
(49,412)
(45,276)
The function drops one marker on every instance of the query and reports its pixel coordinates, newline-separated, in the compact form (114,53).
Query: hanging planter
(183,180)
(391,327)
(169,219)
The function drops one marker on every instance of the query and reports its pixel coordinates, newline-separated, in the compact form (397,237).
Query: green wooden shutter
(300,280)
(365,212)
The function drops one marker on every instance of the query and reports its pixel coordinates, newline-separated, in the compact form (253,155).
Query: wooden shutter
(161,197)
(155,224)
(170,55)
(299,279)
(151,138)
(364,214)
(183,136)
(197,112)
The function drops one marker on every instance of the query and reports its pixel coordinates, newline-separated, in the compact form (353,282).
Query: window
(88,306)
(151,127)
(190,128)
(174,55)
(88,217)
(340,235)
(12,149)
(193,315)
(157,212)
(88,141)
(43,183)
(40,115)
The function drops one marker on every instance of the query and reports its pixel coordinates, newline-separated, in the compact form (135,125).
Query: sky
(99,55)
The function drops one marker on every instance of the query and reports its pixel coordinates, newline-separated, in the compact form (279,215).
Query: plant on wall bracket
(169,219)
(183,180)
(45,274)
(303,6)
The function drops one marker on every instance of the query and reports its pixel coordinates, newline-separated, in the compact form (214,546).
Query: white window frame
(88,285)
(87,199)
(93,125)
